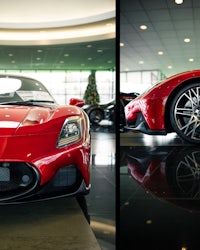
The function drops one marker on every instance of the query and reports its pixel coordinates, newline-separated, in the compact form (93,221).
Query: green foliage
(91,95)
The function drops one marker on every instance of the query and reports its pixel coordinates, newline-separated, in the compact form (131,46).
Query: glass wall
(139,81)
(66,84)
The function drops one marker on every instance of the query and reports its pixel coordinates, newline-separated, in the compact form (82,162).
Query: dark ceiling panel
(98,55)
(168,24)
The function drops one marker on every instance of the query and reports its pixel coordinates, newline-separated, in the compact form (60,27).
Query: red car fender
(152,104)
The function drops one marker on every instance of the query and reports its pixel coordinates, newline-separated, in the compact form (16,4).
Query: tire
(96,115)
(185,113)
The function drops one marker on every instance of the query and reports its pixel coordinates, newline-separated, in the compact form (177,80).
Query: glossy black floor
(101,199)
(159,193)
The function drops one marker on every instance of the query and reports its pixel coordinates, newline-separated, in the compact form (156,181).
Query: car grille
(16,179)
(66,182)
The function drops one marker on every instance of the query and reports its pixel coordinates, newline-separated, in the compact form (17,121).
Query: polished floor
(86,222)
(101,200)
(159,193)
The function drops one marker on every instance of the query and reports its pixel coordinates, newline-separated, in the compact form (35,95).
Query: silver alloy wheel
(185,113)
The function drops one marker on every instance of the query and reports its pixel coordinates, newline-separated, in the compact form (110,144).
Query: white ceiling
(53,13)
(168,24)
(46,22)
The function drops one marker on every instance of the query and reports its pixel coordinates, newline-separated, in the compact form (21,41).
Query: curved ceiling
(56,21)
(53,13)
(57,34)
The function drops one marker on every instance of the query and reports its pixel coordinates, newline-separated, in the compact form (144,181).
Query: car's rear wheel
(185,113)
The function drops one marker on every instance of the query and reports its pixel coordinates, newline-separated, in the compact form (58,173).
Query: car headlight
(71,131)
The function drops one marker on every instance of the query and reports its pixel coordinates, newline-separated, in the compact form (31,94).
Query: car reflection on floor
(160,197)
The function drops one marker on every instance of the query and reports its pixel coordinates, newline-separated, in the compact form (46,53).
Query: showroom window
(139,81)
(66,84)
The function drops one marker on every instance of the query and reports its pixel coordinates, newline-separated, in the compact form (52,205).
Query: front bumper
(19,182)
(140,125)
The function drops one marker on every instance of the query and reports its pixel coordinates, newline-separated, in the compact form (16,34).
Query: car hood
(14,117)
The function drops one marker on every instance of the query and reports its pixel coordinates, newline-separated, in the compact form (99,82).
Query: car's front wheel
(185,113)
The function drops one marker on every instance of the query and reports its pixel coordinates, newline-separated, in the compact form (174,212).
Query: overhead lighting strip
(91,32)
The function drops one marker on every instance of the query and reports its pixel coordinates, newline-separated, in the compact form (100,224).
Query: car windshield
(21,89)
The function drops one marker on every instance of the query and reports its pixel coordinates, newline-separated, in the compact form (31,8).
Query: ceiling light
(141,62)
(66,55)
(160,53)
(121,44)
(99,50)
(169,67)
(186,40)
(178,1)
(191,59)
(143,27)
(63,35)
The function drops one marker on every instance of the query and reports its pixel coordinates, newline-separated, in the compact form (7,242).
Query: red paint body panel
(35,142)
(29,134)
(152,103)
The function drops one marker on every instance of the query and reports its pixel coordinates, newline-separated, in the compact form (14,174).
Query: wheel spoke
(190,128)
(184,111)
(187,113)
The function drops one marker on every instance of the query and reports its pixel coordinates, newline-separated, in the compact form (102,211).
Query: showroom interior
(61,44)
(159,174)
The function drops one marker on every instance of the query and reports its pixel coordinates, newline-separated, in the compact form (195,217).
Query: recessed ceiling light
(66,55)
(10,54)
(141,62)
(89,46)
(89,59)
(191,59)
(169,67)
(160,53)
(178,1)
(186,40)
(99,50)
(39,50)
(143,27)
(121,44)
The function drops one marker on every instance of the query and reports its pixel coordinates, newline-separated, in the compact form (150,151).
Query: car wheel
(185,113)
(95,116)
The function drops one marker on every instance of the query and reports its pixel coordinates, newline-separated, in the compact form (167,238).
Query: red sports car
(44,147)
(172,105)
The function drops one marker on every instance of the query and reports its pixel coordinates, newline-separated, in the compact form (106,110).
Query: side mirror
(76,102)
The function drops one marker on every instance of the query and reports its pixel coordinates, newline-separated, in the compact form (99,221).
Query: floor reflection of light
(148,222)
(103,227)
(103,159)
(151,140)
(184,248)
